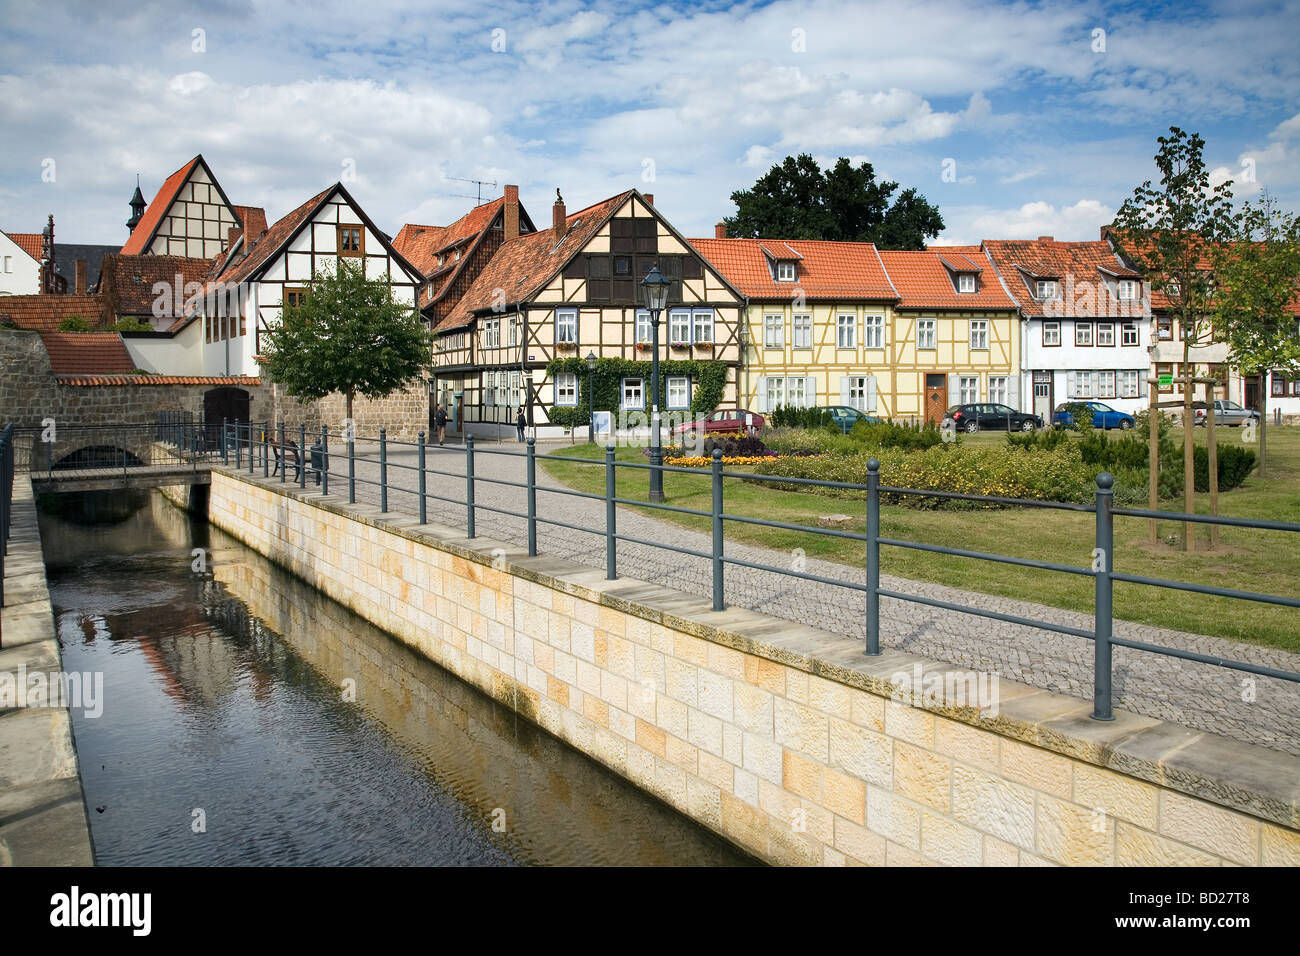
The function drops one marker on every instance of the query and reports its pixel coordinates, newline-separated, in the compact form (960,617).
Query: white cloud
(1021,176)
(1081,220)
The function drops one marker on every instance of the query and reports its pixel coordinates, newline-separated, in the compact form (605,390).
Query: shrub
(131,324)
(74,323)
(1235,465)
(1045,439)
(793,416)
(890,435)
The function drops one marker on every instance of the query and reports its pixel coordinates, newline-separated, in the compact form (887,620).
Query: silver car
(1227,413)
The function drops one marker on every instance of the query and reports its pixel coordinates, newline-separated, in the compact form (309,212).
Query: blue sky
(1017,119)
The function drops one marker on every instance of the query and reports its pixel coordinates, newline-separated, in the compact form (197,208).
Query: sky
(1016,119)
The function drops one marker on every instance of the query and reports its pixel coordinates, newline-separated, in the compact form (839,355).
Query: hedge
(709,378)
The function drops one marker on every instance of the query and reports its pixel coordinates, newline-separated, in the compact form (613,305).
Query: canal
(249,720)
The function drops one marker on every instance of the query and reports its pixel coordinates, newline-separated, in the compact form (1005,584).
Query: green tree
(75,323)
(796,199)
(131,324)
(1258,288)
(1166,230)
(347,334)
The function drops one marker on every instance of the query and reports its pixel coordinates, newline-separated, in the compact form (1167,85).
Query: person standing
(520,424)
(440,420)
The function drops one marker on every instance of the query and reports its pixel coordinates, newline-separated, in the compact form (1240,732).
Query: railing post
(324,460)
(266,449)
(873,557)
(383,470)
(532,496)
(469,485)
(252,454)
(239,453)
(225,442)
(719,602)
(611,492)
(302,455)
(1103,565)
(420,445)
(352,463)
(283,460)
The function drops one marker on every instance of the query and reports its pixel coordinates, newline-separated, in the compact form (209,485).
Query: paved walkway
(1196,695)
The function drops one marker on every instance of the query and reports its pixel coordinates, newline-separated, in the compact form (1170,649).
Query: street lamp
(655,286)
(591,397)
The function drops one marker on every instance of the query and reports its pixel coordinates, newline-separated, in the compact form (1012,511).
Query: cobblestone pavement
(1260,710)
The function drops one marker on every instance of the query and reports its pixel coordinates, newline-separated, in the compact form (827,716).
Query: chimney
(720,231)
(649,199)
(232,236)
(512,212)
(1046,239)
(79,270)
(559,222)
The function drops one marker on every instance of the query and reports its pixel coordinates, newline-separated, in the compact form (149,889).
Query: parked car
(846,416)
(991,416)
(1103,416)
(724,421)
(1226,413)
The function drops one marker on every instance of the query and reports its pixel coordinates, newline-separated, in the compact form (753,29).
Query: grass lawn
(1246,559)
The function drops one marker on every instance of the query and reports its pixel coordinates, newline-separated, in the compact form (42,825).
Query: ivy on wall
(709,379)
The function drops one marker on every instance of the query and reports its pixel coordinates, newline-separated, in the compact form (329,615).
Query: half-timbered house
(571,291)
(190,216)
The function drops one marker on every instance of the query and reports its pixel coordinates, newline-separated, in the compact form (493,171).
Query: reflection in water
(242,703)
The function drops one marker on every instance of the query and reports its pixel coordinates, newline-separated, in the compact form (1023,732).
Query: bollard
(1103,567)
(719,603)
(352,465)
(873,557)
(383,470)
(469,483)
(611,541)
(324,460)
(532,497)
(420,445)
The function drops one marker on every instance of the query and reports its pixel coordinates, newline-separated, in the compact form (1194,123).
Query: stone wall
(403,414)
(786,740)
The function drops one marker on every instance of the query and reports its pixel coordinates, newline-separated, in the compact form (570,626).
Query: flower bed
(702,462)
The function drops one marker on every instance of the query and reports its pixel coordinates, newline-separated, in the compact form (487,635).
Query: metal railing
(261,447)
(52,450)
(6,498)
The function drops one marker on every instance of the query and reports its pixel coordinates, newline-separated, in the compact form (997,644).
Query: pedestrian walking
(440,419)
(520,423)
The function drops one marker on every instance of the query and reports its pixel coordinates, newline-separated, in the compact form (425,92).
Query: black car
(989,416)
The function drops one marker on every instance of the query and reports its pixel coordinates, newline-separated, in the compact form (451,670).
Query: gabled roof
(128,281)
(87,353)
(43,313)
(28,242)
(827,270)
(144,231)
(926,279)
(525,264)
(1083,264)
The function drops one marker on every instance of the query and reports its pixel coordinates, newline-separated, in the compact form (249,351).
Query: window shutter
(1070,390)
(811,390)
(844,390)
(1013,391)
(954,388)
(762,394)
(870,401)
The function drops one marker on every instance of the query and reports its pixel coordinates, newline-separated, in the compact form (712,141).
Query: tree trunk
(1212,449)
(1189,451)
(1263,417)
(350,393)
(1153,491)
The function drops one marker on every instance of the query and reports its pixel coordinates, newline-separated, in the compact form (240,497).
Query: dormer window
(1046,289)
(785,272)
(1127,290)
(965,282)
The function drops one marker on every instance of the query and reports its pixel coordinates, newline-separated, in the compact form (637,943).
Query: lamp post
(591,397)
(656,286)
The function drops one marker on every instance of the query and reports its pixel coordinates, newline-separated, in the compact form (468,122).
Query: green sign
(1166,380)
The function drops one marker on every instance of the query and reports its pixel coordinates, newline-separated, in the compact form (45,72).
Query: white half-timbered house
(191,216)
(571,291)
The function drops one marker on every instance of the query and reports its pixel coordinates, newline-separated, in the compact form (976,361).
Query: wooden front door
(936,397)
(1252,393)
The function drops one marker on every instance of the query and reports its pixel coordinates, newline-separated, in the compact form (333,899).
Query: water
(226,738)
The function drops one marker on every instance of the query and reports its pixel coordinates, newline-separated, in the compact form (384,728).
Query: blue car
(1103,416)
(846,416)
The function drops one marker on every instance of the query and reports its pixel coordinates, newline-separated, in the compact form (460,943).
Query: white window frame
(491,333)
(1055,339)
(775,391)
(773,330)
(1126,389)
(1109,329)
(801,330)
(799,384)
(968,389)
(1000,389)
(785,272)
(858,392)
(1082,384)
(644,331)
(846,322)
(623,393)
(979,335)
(702,322)
(873,331)
(489,389)
(680,384)
(1127,331)
(679,320)
(1079,327)
(566,319)
(965,282)
(1126,290)
(1105,384)
(1046,289)
(927,334)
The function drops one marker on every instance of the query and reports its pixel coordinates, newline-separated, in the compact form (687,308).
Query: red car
(725,421)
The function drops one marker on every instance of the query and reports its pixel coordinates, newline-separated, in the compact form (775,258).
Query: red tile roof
(826,270)
(128,282)
(422,245)
(87,353)
(237,266)
(138,242)
(928,280)
(28,242)
(1081,265)
(43,313)
(522,266)
(208,380)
